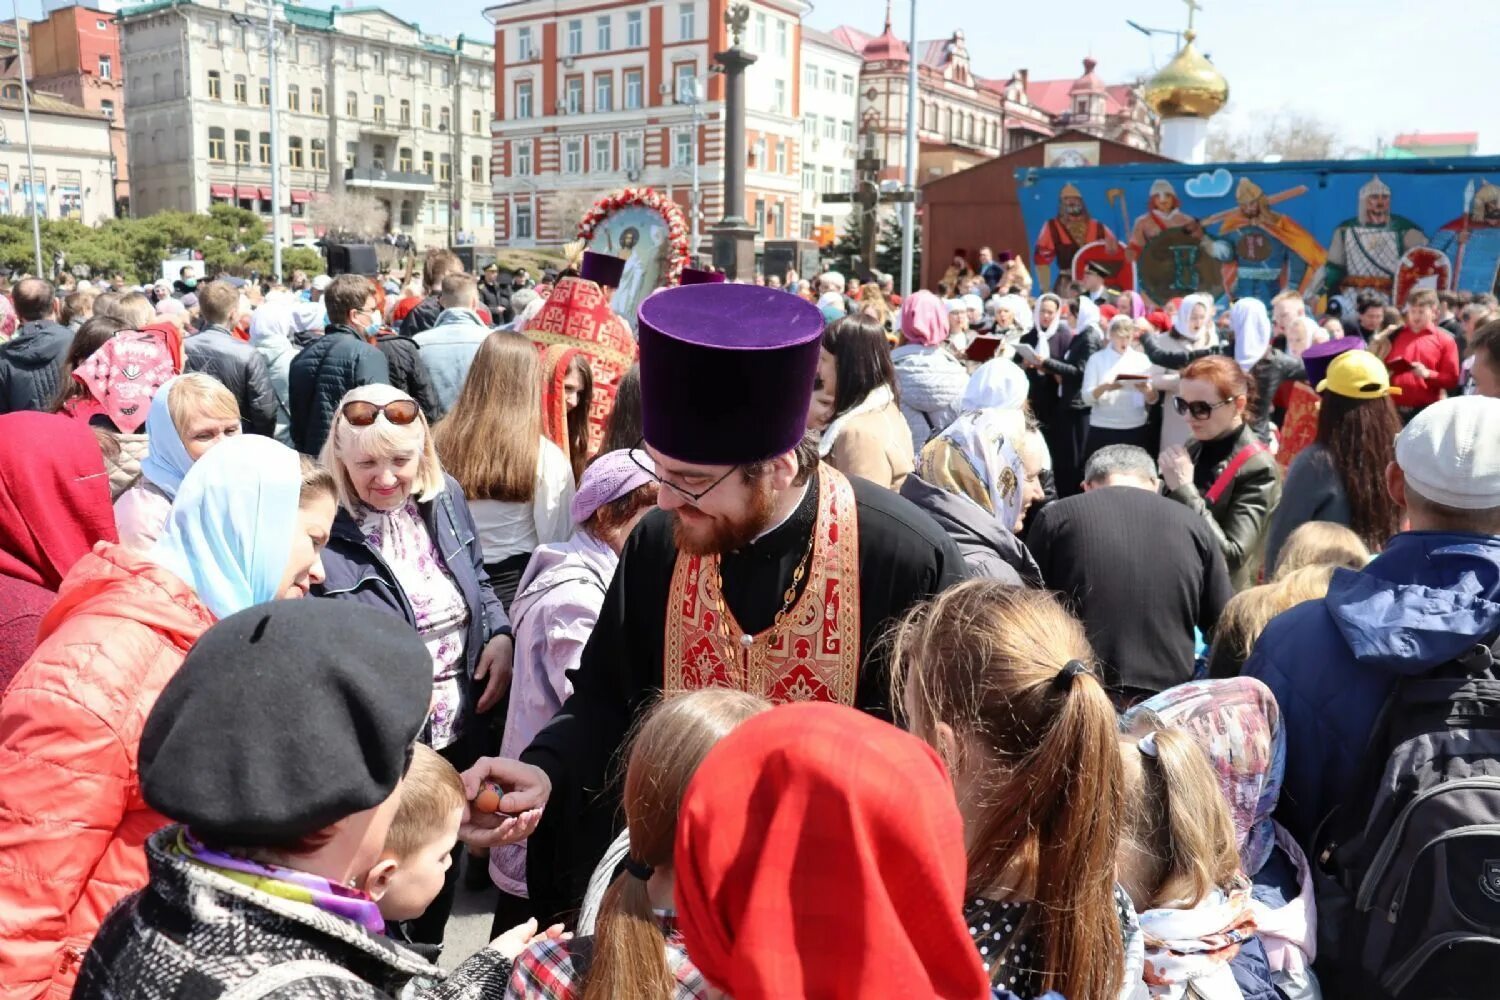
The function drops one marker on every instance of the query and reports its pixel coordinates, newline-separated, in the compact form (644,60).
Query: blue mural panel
(1252,229)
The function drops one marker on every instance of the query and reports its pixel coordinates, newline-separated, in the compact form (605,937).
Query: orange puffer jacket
(72,820)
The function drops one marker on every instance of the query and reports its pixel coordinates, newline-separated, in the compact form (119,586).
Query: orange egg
(488,799)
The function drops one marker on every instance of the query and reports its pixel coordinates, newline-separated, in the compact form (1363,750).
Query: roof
(43,103)
(851,38)
(1437,139)
(1056,96)
(827,40)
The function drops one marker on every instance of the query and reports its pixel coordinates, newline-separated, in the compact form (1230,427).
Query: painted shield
(1176,262)
(1121,276)
(1422,267)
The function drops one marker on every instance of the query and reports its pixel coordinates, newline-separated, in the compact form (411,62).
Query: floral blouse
(403,541)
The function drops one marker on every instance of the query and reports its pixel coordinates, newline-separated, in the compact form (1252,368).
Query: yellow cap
(1358,375)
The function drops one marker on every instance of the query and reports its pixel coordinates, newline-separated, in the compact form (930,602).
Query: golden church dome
(1187,87)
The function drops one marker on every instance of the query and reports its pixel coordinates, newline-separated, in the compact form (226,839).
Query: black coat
(1043,390)
(1069,368)
(320,374)
(496,299)
(241,369)
(423,316)
(194,933)
(403,356)
(31,366)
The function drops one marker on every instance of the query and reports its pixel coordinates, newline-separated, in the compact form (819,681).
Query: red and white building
(593,96)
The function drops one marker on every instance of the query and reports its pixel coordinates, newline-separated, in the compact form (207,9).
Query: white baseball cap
(1450,452)
(321,283)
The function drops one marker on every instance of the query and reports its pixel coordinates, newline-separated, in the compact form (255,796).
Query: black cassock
(904,558)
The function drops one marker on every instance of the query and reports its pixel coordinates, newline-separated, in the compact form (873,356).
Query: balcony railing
(382,178)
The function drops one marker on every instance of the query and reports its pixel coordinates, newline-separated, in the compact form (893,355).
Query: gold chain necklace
(787,599)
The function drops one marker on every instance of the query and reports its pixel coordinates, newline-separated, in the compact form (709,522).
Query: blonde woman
(189,415)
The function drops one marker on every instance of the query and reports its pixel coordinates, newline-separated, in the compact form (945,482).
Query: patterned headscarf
(8,322)
(608,478)
(125,373)
(924,319)
(977,456)
(1239,724)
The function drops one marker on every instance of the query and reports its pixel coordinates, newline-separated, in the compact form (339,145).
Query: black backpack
(1408,880)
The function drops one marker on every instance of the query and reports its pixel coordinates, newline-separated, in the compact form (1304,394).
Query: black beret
(284,719)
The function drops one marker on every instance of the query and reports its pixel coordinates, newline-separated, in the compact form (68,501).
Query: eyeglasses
(644,462)
(362,414)
(1198,410)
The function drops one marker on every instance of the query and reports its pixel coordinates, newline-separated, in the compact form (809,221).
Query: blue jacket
(1427,598)
(354,571)
(448,348)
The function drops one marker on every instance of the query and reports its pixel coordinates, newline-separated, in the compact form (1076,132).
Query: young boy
(419,846)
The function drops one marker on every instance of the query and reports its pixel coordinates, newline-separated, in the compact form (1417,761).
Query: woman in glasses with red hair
(1224,473)
(404,541)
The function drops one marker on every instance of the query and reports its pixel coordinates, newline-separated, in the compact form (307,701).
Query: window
(405,111)
(572,156)
(351,105)
(760,214)
(319,154)
(108,107)
(632,89)
(603,154)
(378,159)
(686,21)
(603,26)
(447,77)
(573,94)
(604,92)
(265,92)
(687,83)
(846,85)
(293,97)
(427,116)
(476,120)
(106,68)
(523,222)
(211,32)
(215,86)
(760,31)
(241,145)
(408,215)
(809,76)
(809,179)
(781,37)
(351,154)
(846,180)
(445,169)
(682,148)
(523,158)
(379,109)
(808,224)
(633,30)
(313,51)
(403,159)
(810,127)
(828,127)
(294,151)
(846,131)
(241,90)
(781,157)
(523,99)
(830,80)
(265,147)
(377,61)
(630,152)
(476,169)
(825,179)
(317,100)
(523,45)
(778,99)
(445,119)
(575,37)
(427,164)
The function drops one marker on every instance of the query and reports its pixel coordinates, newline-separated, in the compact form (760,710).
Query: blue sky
(1370,68)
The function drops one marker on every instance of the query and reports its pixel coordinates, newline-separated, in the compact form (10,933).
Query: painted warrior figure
(1267,250)
(1472,241)
(1365,252)
(1165,213)
(1063,235)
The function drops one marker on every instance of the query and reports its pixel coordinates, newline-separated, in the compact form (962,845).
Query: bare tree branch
(351,213)
(1289,134)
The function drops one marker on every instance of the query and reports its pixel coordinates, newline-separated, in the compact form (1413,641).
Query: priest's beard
(701,534)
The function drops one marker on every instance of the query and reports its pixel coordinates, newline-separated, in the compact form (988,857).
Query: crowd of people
(808,641)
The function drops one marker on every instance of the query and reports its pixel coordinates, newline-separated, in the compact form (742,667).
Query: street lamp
(36,222)
(244,21)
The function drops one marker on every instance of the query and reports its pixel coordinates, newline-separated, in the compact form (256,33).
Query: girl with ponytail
(1002,682)
(636,951)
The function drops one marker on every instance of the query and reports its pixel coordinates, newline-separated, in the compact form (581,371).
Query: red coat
(1432,348)
(72,819)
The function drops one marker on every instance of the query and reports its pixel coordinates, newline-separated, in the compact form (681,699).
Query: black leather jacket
(241,368)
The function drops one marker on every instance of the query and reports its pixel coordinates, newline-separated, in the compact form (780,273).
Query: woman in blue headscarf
(247,526)
(189,415)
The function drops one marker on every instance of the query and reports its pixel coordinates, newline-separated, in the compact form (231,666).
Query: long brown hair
(490,439)
(629,960)
(1037,746)
(578,416)
(1360,437)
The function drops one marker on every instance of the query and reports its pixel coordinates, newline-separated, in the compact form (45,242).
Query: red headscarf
(820,853)
(54,496)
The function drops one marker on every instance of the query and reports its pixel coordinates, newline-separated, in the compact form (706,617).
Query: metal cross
(1193,7)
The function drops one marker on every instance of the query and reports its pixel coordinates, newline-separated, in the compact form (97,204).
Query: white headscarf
(1182,327)
(1044,334)
(1252,331)
(996,384)
(1020,311)
(1088,314)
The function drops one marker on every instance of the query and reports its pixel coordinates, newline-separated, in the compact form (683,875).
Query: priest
(762,569)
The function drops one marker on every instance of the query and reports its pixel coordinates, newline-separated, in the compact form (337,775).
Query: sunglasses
(362,414)
(1198,410)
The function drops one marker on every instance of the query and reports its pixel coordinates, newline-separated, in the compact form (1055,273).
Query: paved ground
(469,927)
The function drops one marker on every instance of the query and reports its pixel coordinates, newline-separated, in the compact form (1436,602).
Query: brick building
(75,54)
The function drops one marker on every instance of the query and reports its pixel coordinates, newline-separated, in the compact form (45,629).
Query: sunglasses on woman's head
(1198,410)
(362,414)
